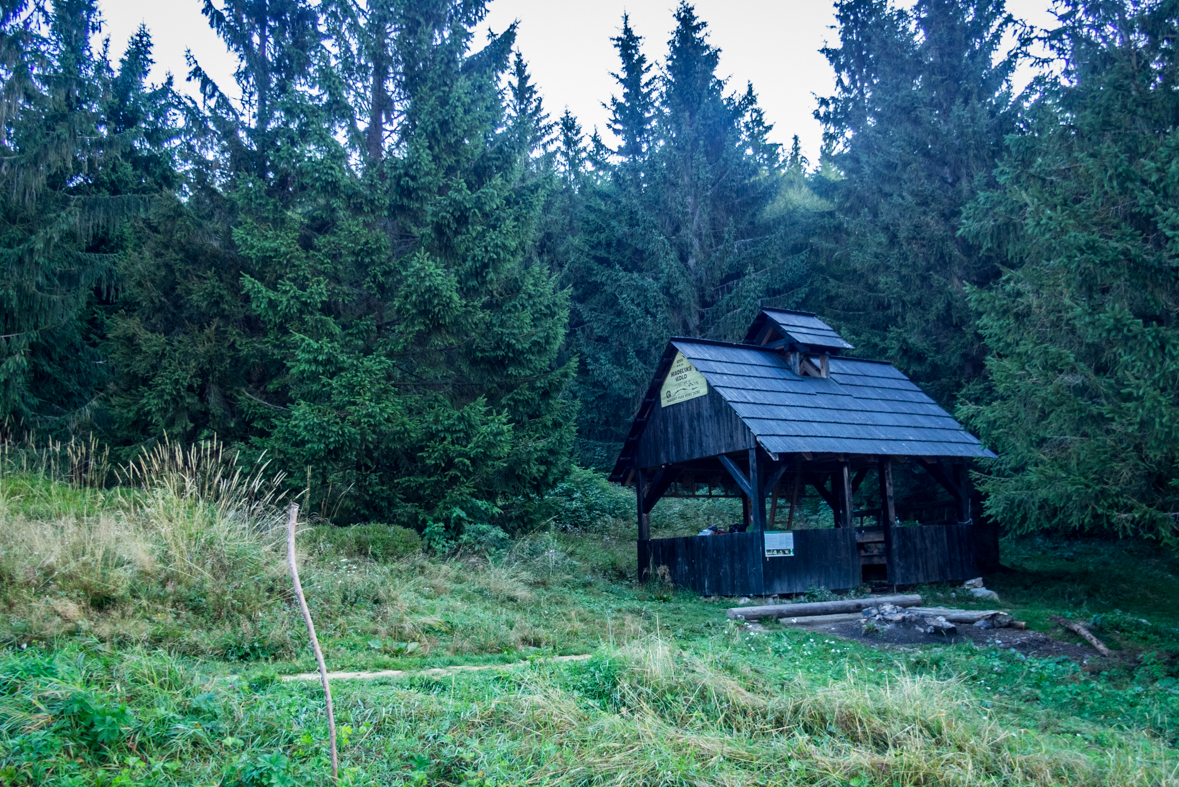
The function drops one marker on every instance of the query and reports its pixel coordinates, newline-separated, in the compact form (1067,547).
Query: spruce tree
(678,240)
(417,332)
(1084,327)
(85,148)
(632,113)
(184,339)
(922,105)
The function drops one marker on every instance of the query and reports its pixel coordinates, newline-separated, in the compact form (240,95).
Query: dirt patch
(906,635)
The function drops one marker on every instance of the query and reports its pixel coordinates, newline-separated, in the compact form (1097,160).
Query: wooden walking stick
(323,676)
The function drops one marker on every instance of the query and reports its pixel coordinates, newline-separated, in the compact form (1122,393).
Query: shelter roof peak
(780,328)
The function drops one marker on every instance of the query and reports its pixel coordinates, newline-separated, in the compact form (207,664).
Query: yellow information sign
(683,382)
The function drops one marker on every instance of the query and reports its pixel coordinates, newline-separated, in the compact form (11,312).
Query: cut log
(819,620)
(819,607)
(960,615)
(1083,633)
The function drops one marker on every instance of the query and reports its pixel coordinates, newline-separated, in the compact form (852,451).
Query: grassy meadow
(145,626)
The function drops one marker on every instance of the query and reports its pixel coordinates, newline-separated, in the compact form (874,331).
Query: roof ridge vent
(776,329)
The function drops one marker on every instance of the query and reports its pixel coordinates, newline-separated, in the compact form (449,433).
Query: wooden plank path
(433,672)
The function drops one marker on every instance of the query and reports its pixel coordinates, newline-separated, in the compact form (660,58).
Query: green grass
(1126,592)
(787,708)
(142,630)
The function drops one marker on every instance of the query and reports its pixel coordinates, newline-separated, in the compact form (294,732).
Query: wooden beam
(808,368)
(821,488)
(935,469)
(737,475)
(888,514)
(644,541)
(863,471)
(776,475)
(658,486)
(843,491)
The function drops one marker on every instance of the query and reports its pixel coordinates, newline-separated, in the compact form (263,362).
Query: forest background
(389,270)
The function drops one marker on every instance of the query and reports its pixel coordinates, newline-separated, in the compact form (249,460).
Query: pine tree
(922,106)
(83,147)
(1085,326)
(184,339)
(632,114)
(677,241)
(417,332)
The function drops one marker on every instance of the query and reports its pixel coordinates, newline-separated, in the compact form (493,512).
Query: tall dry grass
(176,516)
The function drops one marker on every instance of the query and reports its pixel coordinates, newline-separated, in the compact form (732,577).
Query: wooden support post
(757,492)
(888,514)
(794,499)
(772,485)
(843,495)
(962,480)
(644,527)
(833,497)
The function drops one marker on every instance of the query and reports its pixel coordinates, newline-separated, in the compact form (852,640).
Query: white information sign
(779,543)
(683,382)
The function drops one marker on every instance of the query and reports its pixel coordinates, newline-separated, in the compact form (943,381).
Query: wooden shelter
(787,410)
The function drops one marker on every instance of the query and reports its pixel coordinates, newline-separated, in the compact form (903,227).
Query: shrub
(375,541)
(386,542)
(586,500)
(480,537)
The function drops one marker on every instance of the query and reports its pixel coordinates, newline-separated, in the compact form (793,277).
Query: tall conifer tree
(1085,328)
(415,333)
(677,241)
(922,106)
(85,148)
(185,339)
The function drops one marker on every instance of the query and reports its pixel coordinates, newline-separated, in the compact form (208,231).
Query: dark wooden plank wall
(728,565)
(932,553)
(822,558)
(735,564)
(700,427)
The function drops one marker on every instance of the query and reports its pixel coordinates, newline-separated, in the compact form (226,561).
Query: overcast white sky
(773,43)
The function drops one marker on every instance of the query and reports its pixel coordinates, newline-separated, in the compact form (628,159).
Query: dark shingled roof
(800,328)
(864,407)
